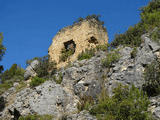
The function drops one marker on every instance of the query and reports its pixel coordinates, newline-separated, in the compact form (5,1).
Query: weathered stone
(86,34)
(30,70)
(155,107)
(48,98)
(86,77)
(83,115)
(153,45)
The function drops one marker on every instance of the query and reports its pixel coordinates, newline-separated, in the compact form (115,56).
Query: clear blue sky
(30,25)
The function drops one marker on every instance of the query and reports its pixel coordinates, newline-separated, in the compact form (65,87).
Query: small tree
(2,48)
(2,51)
(15,72)
(126,104)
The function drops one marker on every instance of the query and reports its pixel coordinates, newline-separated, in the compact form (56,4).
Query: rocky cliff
(83,78)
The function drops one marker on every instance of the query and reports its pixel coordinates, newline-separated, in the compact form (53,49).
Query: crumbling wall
(86,34)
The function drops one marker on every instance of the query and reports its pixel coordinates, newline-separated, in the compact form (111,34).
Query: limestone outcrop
(80,36)
(82,78)
(30,70)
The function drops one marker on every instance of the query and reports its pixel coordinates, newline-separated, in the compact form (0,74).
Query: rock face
(84,115)
(30,70)
(130,70)
(82,78)
(82,35)
(155,107)
(48,98)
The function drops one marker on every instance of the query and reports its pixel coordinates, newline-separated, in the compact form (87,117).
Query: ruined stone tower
(83,35)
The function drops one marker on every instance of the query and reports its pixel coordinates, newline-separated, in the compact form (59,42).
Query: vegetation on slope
(36,117)
(90,17)
(150,18)
(152,79)
(45,67)
(126,104)
(65,54)
(8,77)
(2,48)
(87,54)
(111,58)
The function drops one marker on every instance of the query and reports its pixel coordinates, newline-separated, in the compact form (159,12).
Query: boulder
(155,107)
(31,69)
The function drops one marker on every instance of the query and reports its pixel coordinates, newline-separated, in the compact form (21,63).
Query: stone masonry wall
(86,34)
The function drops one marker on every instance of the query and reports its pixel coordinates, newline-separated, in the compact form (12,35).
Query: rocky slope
(81,78)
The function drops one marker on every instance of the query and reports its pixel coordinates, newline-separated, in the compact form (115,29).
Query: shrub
(85,103)
(5,86)
(134,52)
(111,58)
(150,18)
(46,67)
(2,48)
(150,15)
(59,79)
(102,47)
(126,104)
(36,117)
(132,37)
(65,54)
(90,17)
(36,81)
(13,73)
(87,54)
(152,79)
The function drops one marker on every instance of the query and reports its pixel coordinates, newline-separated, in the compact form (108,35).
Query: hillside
(120,81)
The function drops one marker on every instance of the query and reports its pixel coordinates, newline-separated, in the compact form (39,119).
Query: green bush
(126,104)
(85,103)
(150,15)
(89,17)
(152,79)
(65,54)
(36,117)
(150,18)
(111,58)
(102,47)
(132,37)
(35,81)
(134,52)
(87,54)
(2,48)
(59,79)
(5,86)
(13,73)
